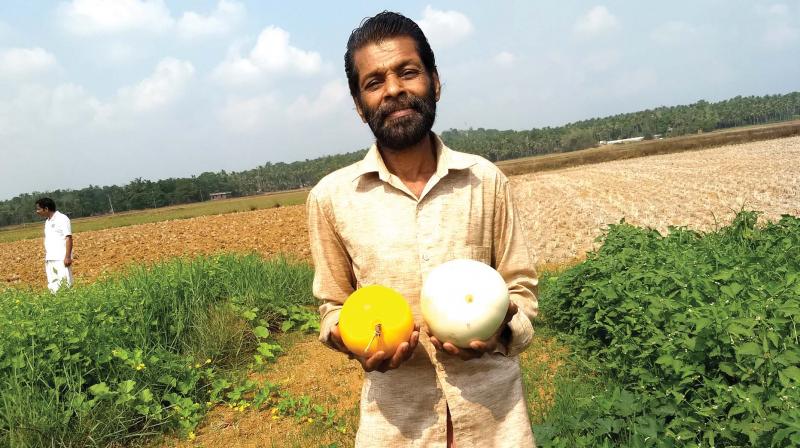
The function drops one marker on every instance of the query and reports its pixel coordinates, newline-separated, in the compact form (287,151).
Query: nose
(394,86)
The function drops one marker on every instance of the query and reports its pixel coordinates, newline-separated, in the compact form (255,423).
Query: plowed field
(562,211)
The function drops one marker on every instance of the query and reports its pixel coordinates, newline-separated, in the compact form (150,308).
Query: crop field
(183,211)
(562,211)
(686,340)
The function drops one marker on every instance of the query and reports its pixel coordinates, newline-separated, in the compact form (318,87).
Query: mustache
(404,102)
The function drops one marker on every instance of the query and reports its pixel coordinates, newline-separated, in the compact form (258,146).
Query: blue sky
(104,91)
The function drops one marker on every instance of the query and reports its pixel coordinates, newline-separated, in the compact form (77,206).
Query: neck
(412,164)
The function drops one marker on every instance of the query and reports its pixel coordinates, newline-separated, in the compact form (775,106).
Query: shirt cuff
(326,325)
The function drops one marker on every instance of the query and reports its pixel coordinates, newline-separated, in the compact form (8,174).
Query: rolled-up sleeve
(514,262)
(333,275)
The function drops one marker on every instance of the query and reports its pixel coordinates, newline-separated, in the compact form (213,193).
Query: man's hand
(379,361)
(476,348)
(68,261)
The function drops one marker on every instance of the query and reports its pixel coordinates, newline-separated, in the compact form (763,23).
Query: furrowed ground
(562,212)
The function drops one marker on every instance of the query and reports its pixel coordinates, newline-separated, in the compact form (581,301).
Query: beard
(402,132)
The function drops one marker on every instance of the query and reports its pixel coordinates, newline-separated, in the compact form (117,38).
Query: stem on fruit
(376,334)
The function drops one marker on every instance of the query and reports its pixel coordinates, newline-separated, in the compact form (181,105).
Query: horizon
(151,89)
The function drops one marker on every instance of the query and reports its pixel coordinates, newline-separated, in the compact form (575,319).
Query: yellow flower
(192,435)
(197,366)
(208,361)
(274,417)
(310,420)
(274,411)
(140,366)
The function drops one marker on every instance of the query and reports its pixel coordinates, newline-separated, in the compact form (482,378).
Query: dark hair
(46,203)
(385,25)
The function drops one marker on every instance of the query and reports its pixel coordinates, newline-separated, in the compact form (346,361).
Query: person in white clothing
(57,244)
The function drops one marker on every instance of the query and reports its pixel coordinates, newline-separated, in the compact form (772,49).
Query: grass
(185,211)
(129,358)
(65,361)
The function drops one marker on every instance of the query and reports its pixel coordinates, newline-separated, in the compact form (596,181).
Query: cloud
(271,56)
(244,115)
(92,17)
(220,22)
(164,86)
(444,28)
(329,99)
(505,59)
(596,21)
(25,62)
(674,33)
(36,110)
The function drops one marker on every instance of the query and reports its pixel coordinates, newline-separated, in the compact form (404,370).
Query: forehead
(385,55)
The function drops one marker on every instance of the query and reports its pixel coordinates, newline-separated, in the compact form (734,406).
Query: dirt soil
(267,232)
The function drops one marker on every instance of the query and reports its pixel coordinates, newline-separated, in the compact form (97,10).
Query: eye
(372,84)
(409,73)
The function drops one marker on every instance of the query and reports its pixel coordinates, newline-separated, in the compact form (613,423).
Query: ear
(437,86)
(359,109)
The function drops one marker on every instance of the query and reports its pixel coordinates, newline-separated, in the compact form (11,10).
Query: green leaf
(728,368)
(99,389)
(792,372)
(665,360)
(731,290)
(127,386)
(261,332)
(724,275)
(749,348)
(146,396)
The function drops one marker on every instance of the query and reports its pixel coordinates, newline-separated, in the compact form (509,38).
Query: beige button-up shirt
(366,227)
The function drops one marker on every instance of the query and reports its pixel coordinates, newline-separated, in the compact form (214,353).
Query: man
(408,206)
(57,244)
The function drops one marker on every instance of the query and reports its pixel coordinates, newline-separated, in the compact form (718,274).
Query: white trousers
(57,274)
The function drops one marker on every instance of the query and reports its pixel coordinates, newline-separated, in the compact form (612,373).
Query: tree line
(492,144)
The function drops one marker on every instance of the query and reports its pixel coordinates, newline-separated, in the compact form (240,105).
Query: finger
(414,341)
(512,310)
(335,335)
(436,343)
(399,356)
(450,348)
(483,346)
(384,366)
(374,361)
(337,342)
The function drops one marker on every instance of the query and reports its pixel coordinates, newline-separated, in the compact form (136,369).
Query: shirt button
(426,257)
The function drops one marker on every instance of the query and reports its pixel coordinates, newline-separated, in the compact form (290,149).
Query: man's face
(41,212)
(397,96)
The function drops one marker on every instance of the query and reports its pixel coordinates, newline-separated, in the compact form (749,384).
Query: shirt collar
(446,160)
